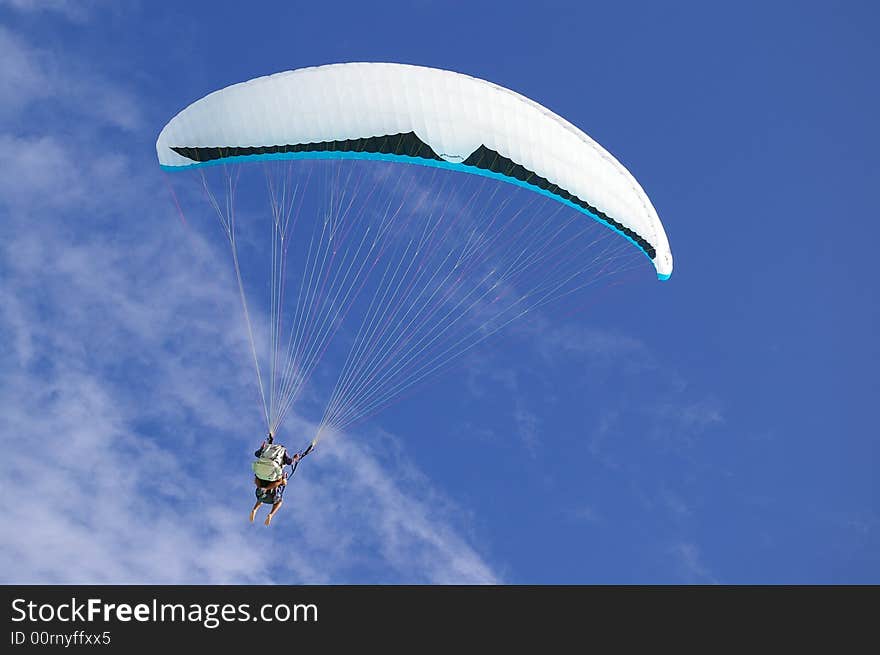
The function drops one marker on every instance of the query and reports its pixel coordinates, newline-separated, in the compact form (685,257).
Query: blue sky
(718,428)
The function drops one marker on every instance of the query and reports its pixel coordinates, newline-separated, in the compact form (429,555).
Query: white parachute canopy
(424,264)
(356,107)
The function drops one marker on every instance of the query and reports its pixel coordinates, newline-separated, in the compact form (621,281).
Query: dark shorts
(269,497)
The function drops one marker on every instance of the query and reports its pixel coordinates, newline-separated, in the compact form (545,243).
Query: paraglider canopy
(417,115)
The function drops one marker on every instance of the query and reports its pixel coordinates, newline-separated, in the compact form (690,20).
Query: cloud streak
(37,84)
(690,563)
(71,9)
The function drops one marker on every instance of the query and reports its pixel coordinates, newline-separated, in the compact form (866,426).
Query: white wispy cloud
(643,434)
(585,513)
(74,10)
(681,419)
(59,85)
(109,358)
(691,566)
(528,427)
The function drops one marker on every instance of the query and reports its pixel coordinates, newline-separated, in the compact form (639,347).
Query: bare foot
(253,514)
(268,519)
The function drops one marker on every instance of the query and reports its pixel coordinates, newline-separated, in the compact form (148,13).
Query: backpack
(269,464)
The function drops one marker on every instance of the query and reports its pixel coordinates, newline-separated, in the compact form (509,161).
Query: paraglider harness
(279,491)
